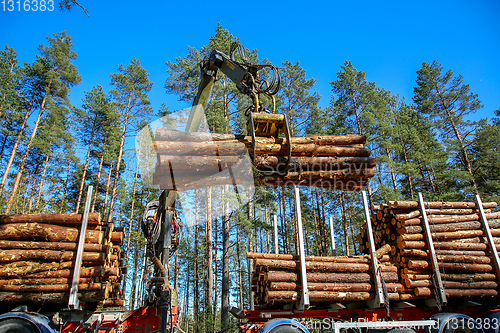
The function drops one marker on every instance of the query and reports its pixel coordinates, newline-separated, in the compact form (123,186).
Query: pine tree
(446,100)
(90,122)
(485,156)
(131,88)
(60,75)
(298,103)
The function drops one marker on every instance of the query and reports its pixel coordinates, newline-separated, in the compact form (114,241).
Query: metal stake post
(276,250)
(332,235)
(491,244)
(304,301)
(440,294)
(74,302)
(379,300)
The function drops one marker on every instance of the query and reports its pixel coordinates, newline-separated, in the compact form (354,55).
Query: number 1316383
(27,5)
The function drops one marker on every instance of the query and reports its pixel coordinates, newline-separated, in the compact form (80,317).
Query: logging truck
(428,266)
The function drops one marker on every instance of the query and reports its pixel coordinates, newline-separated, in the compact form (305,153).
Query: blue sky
(388,40)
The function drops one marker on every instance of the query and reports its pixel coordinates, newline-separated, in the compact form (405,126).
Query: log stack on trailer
(37,255)
(465,264)
(335,161)
(276,279)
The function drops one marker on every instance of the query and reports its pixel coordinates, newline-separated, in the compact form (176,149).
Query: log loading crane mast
(160,224)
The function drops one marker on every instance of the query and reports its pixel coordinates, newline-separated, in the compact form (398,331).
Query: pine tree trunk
(216,271)
(32,192)
(285,224)
(82,181)
(118,162)
(317,238)
(130,225)
(410,182)
(186,299)
(98,178)
(320,227)
(196,290)
(65,187)
(240,277)
(225,263)
(26,153)
(393,175)
(209,263)
(267,223)
(3,145)
(16,143)
(344,222)
(250,262)
(294,225)
(46,163)
(134,276)
(107,189)
(323,223)
(176,271)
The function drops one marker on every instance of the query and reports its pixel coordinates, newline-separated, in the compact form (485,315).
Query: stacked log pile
(37,259)
(340,162)
(277,279)
(459,242)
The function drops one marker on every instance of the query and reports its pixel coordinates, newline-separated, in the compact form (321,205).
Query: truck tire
(16,325)
(283,326)
(453,323)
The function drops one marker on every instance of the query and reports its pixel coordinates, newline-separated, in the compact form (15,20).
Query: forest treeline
(52,149)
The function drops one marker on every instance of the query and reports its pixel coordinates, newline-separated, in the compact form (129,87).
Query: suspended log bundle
(463,258)
(38,253)
(191,160)
(277,278)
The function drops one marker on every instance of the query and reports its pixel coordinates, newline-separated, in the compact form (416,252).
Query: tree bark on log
(67,273)
(450,227)
(16,297)
(323,296)
(466,246)
(6,244)
(451,219)
(455,267)
(458,293)
(45,281)
(164,134)
(283,276)
(453,284)
(20,255)
(438,205)
(437,213)
(65,219)
(20,268)
(345,287)
(51,288)
(335,184)
(311,150)
(271,162)
(48,232)
(312,266)
(339,259)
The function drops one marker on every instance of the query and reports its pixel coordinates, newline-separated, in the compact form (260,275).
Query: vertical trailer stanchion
(438,283)
(304,301)
(276,251)
(491,243)
(74,302)
(332,235)
(379,300)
